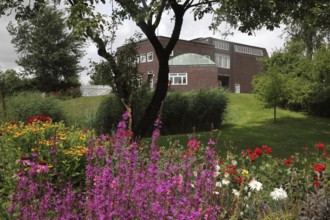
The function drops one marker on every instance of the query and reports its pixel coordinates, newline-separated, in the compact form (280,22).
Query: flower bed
(62,173)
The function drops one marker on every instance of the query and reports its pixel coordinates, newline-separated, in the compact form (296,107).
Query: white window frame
(248,50)
(182,76)
(172,53)
(137,58)
(150,57)
(222,60)
(143,58)
(221,45)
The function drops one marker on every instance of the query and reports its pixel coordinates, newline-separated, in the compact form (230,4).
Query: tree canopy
(47,51)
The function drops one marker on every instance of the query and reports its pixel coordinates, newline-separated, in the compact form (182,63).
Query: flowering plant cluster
(115,177)
(40,145)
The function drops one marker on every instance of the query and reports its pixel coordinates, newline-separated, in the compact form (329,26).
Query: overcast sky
(271,40)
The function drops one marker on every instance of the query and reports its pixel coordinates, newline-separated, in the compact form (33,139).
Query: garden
(50,169)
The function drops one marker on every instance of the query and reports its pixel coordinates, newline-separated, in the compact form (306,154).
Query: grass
(247,125)
(81,111)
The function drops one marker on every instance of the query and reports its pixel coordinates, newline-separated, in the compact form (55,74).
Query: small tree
(47,51)
(270,89)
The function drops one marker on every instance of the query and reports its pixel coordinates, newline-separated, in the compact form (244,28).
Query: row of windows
(174,78)
(221,45)
(143,58)
(248,50)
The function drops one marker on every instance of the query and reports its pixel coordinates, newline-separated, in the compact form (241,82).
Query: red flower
(288,161)
(253,156)
(319,167)
(258,151)
(320,146)
(268,150)
(325,153)
(316,183)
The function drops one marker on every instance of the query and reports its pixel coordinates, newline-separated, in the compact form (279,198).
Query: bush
(180,114)
(27,105)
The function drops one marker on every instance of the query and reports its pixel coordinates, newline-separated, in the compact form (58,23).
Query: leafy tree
(270,89)
(305,20)
(47,51)
(129,80)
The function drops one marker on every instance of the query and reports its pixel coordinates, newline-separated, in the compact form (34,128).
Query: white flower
(279,194)
(225,182)
(218,184)
(236,192)
(217,168)
(234,162)
(255,185)
(216,192)
(226,175)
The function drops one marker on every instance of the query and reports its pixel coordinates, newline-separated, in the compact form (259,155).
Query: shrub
(180,114)
(26,105)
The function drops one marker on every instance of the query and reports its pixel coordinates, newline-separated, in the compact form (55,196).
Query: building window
(150,79)
(137,59)
(150,56)
(248,50)
(178,78)
(143,58)
(221,45)
(172,53)
(222,60)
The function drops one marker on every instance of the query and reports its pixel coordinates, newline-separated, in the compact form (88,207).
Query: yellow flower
(245,172)
(17,134)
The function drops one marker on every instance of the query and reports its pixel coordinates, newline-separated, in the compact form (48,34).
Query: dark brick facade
(239,70)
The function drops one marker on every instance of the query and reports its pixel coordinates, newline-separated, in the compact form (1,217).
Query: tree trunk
(150,114)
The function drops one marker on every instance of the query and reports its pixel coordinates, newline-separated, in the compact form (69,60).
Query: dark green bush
(181,111)
(208,108)
(29,104)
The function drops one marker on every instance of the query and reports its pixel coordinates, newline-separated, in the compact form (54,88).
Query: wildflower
(253,156)
(24,160)
(225,182)
(236,192)
(218,184)
(316,183)
(211,142)
(255,185)
(245,172)
(288,161)
(258,151)
(279,194)
(42,167)
(320,145)
(319,167)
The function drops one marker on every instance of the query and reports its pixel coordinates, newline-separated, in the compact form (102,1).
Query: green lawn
(247,125)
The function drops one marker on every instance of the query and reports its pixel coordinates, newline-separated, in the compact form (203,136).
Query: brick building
(203,63)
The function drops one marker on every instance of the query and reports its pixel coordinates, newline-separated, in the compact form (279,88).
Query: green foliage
(26,105)
(181,112)
(47,51)
(294,81)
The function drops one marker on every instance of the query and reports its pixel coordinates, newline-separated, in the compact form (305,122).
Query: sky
(271,40)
